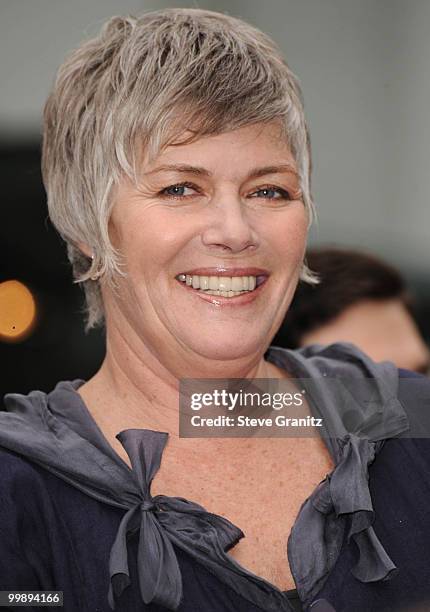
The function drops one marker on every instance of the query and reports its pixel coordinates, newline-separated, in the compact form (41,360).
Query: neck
(137,387)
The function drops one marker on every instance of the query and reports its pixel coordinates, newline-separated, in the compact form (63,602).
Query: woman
(176,162)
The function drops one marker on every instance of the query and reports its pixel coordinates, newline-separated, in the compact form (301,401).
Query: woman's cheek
(289,235)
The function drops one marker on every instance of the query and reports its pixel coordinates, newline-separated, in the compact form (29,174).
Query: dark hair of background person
(346,278)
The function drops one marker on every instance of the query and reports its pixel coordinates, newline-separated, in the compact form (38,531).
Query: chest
(262,496)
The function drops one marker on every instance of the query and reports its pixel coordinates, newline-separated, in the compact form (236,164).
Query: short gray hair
(138,86)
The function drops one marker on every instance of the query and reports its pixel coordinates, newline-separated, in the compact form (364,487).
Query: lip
(221,271)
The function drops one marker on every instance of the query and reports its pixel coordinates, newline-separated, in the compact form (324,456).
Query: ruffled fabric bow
(158,521)
(357,400)
(340,502)
(161,520)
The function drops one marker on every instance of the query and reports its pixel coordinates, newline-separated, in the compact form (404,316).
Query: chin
(228,348)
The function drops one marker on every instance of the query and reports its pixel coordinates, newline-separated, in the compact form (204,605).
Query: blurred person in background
(176,160)
(359,299)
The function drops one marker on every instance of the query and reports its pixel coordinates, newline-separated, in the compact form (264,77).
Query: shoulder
(339,359)
(21,418)
(404,460)
(24,500)
(414,396)
(19,478)
(13,465)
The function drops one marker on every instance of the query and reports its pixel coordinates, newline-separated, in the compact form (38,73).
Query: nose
(229,227)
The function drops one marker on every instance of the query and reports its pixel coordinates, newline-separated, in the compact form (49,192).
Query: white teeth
(226,286)
(196,282)
(213,283)
(237,283)
(223,293)
(204,282)
(224,283)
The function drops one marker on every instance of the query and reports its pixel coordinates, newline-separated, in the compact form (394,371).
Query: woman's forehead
(248,146)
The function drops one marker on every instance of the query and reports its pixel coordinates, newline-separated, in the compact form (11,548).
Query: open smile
(230,284)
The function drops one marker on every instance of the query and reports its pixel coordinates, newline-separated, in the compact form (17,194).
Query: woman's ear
(86,250)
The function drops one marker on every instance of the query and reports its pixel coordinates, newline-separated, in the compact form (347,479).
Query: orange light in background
(17,311)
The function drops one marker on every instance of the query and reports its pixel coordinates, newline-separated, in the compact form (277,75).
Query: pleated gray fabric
(342,500)
(57,432)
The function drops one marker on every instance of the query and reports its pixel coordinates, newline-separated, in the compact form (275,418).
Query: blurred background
(363,66)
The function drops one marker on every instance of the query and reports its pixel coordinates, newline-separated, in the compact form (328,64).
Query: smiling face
(207,215)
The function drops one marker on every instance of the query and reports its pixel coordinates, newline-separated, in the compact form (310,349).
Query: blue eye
(269,193)
(177,191)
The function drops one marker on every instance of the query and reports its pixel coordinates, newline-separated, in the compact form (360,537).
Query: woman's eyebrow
(198,170)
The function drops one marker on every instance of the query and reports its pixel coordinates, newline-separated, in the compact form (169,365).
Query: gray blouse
(62,436)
